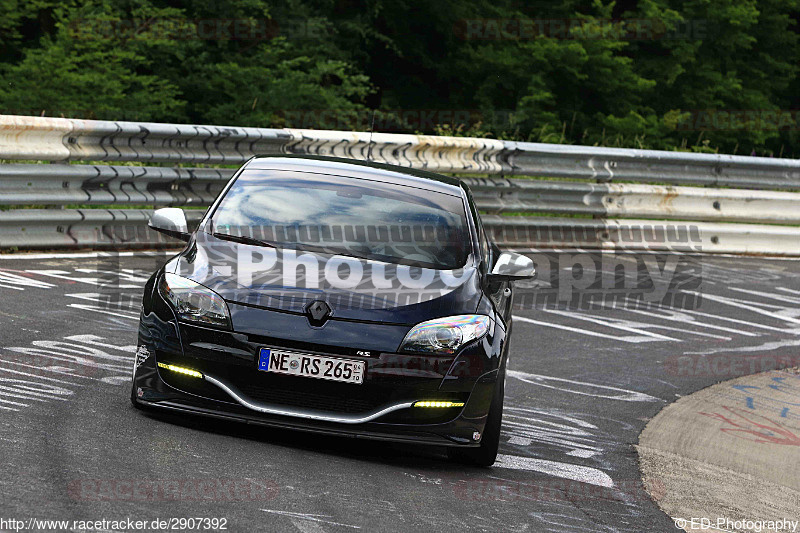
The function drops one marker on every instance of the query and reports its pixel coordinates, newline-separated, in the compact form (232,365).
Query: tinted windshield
(349,216)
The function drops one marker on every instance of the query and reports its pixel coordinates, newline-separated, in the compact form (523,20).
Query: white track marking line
(584,454)
(680,330)
(53,369)
(734,320)
(96,309)
(312,517)
(767,346)
(14,403)
(81,255)
(4,389)
(693,322)
(36,376)
(750,306)
(97,282)
(126,274)
(307,526)
(621,251)
(583,474)
(606,323)
(5,392)
(584,331)
(627,396)
(769,295)
(551,434)
(12,279)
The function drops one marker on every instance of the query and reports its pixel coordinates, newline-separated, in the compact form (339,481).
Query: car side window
(486,250)
(483,239)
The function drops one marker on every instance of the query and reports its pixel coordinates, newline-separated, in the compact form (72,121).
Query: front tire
(486,453)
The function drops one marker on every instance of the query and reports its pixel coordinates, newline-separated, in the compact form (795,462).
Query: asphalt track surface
(582,386)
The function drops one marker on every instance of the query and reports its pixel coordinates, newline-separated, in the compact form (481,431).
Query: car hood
(290,280)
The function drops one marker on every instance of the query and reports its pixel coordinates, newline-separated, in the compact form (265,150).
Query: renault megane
(334,296)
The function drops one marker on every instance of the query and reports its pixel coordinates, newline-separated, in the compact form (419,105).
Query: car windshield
(348,216)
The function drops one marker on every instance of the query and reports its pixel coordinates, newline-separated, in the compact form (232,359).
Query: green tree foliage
(665,74)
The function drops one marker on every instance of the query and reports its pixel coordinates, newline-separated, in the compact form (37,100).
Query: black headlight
(445,335)
(194,302)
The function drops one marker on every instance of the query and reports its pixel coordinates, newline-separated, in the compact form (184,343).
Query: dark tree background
(668,74)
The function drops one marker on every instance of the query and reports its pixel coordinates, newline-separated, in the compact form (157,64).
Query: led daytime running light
(181,370)
(438,404)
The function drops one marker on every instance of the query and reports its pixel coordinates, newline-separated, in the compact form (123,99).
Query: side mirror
(170,221)
(511,266)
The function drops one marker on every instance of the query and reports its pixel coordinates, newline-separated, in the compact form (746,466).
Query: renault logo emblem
(318,312)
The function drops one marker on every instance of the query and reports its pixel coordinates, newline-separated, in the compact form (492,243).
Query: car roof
(354,168)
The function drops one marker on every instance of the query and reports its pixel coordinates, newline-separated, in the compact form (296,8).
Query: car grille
(289,391)
(308,400)
(308,393)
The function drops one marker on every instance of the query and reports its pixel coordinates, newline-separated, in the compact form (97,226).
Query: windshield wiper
(243,239)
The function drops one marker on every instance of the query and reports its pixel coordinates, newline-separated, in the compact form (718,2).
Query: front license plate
(311,366)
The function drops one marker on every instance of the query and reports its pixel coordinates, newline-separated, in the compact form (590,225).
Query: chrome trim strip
(300,413)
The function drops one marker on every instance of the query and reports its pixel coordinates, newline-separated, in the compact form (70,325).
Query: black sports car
(334,296)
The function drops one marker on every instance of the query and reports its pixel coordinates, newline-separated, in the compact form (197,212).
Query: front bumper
(152,392)
(231,386)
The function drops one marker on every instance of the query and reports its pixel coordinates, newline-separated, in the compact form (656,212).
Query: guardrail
(626,200)
(738,204)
